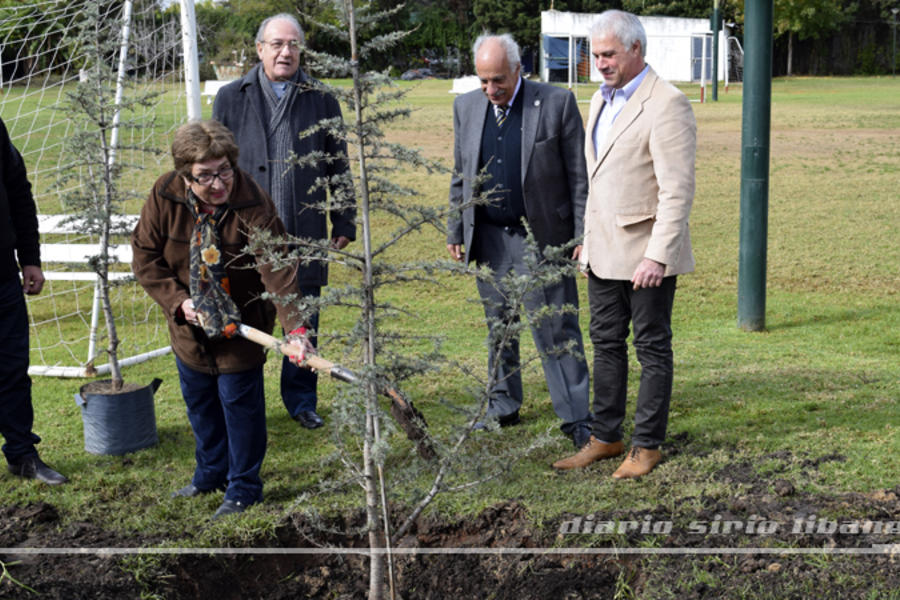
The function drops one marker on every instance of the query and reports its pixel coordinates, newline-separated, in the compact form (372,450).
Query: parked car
(423,73)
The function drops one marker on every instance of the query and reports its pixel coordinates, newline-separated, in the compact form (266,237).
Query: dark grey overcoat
(239,106)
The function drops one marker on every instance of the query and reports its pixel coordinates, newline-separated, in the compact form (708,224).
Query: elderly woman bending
(188,256)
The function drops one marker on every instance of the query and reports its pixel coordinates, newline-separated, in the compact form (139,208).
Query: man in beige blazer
(640,146)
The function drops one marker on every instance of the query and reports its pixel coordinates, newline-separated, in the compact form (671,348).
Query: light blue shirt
(278,87)
(614,102)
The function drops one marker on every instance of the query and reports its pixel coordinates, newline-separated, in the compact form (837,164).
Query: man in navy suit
(527,138)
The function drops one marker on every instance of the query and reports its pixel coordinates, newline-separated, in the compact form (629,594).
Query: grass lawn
(823,379)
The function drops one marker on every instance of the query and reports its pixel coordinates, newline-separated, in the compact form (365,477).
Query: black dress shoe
(32,467)
(309,419)
(504,421)
(229,507)
(190,490)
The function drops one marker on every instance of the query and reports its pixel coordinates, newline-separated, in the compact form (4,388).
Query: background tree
(837,37)
(448,26)
(438,33)
(808,19)
(521,18)
(22,34)
(679,8)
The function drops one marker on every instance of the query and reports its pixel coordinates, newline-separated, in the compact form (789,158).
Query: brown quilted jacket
(161,246)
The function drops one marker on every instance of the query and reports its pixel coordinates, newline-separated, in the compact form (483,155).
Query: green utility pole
(757,109)
(715,21)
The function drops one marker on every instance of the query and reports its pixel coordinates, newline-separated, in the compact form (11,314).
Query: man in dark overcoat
(267,109)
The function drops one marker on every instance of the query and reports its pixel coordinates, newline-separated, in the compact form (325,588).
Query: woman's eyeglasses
(205,179)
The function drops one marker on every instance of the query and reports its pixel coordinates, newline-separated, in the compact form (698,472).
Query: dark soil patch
(106,387)
(64,576)
(766,513)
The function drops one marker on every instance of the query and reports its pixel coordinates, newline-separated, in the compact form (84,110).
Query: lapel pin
(537,102)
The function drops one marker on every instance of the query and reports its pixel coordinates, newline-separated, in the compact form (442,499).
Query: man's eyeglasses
(205,179)
(278,45)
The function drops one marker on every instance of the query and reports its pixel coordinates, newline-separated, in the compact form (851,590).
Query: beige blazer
(641,183)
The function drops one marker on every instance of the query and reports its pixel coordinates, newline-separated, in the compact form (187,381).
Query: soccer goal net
(41,61)
(735,72)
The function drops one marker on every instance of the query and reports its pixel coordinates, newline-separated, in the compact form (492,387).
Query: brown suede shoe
(592,451)
(639,461)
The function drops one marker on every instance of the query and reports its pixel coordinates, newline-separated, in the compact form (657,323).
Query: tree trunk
(377,540)
(105,208)
(790,55)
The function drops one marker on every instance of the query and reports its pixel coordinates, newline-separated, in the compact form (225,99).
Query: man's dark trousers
(503,249)
(16,411)
(614,305)
(298,385)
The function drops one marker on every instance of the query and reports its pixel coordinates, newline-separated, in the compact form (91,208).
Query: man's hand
(340,242)
(584,269)
(455,251)
(576,252)
(299,342)
(32,279)
(648,274)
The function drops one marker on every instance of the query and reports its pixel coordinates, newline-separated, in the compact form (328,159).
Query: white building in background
(675,47)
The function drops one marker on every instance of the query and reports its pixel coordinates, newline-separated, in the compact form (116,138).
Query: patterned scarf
(210,287)
(281,142)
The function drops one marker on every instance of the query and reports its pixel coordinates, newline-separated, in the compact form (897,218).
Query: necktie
(501,114)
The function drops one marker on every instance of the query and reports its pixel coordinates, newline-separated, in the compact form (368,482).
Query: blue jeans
(298,385)
(16,412)
(228,415)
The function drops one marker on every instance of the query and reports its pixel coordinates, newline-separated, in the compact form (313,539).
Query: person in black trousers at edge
(19,252)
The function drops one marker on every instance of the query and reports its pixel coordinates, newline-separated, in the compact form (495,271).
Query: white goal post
(40,61)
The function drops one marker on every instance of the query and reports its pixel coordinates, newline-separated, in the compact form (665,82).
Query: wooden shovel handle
(313,361)
(406,415)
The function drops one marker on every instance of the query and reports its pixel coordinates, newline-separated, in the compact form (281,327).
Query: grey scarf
(281,141)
